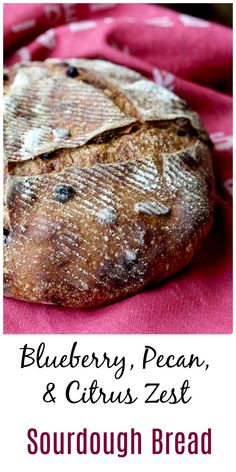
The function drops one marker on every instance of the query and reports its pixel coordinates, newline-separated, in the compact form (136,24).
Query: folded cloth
(191,57)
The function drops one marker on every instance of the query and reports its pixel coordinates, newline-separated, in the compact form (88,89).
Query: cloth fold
(191,57)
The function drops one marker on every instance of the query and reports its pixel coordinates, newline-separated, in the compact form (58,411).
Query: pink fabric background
(191,57)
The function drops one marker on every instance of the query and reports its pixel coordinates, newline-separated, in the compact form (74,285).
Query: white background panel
(211,406)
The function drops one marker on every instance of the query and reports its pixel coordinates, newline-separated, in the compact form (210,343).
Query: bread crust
(109,183)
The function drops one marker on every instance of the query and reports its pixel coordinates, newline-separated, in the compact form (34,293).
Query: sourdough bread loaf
(108,182)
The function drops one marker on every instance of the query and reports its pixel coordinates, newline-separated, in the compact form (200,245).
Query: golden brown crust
(105,195)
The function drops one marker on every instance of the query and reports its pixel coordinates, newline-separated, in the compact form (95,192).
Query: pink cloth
(194,59)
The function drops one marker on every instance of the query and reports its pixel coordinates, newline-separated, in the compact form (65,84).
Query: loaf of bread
(108,182)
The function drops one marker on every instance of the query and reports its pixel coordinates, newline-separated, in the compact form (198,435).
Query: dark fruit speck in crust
(190,161)
(6,232)
(62,193)
(47,156)
(72,72)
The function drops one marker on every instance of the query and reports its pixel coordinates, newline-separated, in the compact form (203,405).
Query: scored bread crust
(136,163)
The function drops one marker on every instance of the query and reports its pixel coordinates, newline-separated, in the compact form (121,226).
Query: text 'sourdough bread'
(108,182)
